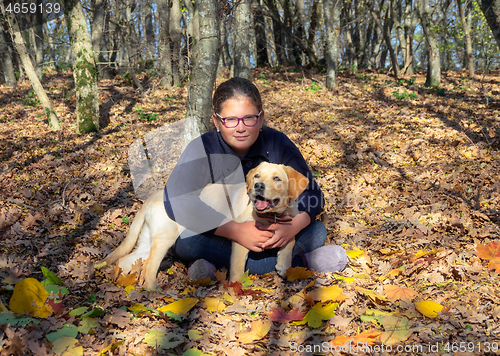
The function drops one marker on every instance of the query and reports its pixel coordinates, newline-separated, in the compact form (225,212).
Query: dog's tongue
(261,204)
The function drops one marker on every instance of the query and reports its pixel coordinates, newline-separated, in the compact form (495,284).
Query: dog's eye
(257,175)
(277,179)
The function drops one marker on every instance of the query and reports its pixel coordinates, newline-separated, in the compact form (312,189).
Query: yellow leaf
(188,290)
(214,304)
(421,253)
(397,329)
(294,273)
(429,308)
(137,308)
(194,334)
(375,297)
(325,294)
(227,298)
(393,273)
(315,316)
(257,331)
(129,289)
(347,280)
(29,298)
(181,306)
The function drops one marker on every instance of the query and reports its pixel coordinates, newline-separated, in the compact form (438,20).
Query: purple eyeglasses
(232,122)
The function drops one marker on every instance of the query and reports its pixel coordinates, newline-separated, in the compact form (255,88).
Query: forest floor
(411,177)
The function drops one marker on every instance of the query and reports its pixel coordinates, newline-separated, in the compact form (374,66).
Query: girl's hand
(284,231)
(246,234)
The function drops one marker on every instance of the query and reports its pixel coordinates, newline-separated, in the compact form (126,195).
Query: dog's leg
(239,256)
(128,244)
(285,258)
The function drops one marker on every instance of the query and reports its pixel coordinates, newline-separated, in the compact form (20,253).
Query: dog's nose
(259,187)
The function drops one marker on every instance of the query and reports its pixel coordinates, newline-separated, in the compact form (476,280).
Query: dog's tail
(133,234)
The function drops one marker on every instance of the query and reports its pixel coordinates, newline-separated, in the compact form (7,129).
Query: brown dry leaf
(127,279)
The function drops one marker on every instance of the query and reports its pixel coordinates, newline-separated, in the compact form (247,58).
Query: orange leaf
(295,273)
(238,289)
(490,251)
(257,331)
(495,264)
(399,293)
(127,279)
(281,316)
(367,337)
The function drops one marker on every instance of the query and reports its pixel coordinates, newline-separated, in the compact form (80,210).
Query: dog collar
(273,217)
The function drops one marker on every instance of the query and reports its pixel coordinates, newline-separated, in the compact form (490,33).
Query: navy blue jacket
(208,159)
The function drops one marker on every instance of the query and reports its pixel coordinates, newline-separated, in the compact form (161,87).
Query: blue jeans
(217,249)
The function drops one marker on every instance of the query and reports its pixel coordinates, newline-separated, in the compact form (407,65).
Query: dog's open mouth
(262,203)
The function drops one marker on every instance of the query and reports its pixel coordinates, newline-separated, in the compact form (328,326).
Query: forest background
(394,105)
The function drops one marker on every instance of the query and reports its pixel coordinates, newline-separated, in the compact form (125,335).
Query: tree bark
(164,55)
(466,19)
(176,37)
(97,30)
(259,24)
(241,39)
(386,32)
(8,63)
(18,40)
(84,68)
(491,11)
(331,11)
(205,59)
(149,35)
(39,42)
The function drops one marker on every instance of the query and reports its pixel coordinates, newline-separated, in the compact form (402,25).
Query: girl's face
(241,137)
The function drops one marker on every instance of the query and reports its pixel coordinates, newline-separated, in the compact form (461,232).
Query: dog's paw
(281,268)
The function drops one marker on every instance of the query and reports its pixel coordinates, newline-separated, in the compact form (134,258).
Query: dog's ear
(249,177)
(297,182)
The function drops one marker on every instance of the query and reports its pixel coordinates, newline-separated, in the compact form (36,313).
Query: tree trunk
(278,33)
(259,25)
(386,32)
(428,25)
(8,63)
(39,42)
(313,24)
(176,37)
(410,23)
(84,68)
(18,40)
(331,10)
(205,59)
(491,11)
(97,30)
(164,55)
(48,38)
(466,20)
(241,39)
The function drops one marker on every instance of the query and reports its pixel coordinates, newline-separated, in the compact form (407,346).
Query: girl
(239,143)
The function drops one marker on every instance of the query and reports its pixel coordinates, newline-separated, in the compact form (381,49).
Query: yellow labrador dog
(270,193)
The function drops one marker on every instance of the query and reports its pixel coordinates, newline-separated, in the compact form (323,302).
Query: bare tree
(18,40)
(205,59)
(332,26)
(8,63)
(84,68)
(466,20)
(428,25)
(164,53)
(241,39)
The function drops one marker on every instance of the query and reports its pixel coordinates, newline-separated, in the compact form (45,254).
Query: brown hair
(233,88)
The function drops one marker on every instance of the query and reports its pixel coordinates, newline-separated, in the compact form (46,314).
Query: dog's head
(271,187)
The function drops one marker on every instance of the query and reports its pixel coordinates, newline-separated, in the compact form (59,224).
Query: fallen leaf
(295,273)
(490,251)
(29,298)
(162,340)
(181,306)
(393,292)
(315,316)
(375,297)
(127,279)
(325,294)
(280,316)
(66,345)
(397,329)
(429,308)
(214,304)
(257,331)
